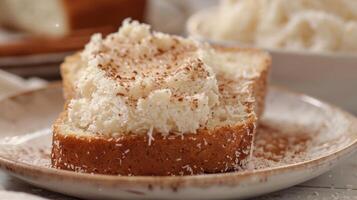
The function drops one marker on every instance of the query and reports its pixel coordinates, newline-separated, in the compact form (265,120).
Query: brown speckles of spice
(167,70)
(195,103)
(131,61)
(148,65)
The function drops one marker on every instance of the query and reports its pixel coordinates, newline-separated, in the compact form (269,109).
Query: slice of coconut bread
(143,103)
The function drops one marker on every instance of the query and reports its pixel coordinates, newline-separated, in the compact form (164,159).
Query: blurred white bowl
(328,76)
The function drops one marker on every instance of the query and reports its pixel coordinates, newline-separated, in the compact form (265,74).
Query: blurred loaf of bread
(61,17)
(298,25)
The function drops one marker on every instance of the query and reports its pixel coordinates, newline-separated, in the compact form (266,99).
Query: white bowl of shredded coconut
(313,43)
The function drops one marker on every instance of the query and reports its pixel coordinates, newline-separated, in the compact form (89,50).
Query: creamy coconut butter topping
(137,81)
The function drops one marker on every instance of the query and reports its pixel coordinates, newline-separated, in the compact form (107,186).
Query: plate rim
(25,169)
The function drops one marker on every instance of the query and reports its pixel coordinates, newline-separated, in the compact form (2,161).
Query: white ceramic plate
(300,138)
(328,76)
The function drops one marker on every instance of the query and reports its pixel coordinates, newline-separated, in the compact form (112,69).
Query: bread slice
(219,146)
(207,151)
(60,17)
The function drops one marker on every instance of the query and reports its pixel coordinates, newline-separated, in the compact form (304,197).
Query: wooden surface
(338,184)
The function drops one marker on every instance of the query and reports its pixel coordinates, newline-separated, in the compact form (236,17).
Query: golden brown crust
(93,13)
(208,151)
